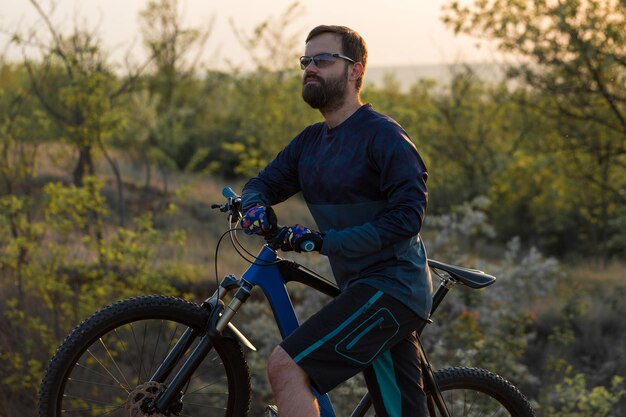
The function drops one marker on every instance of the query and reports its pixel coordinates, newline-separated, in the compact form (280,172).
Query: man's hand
(259,220)
(292,238)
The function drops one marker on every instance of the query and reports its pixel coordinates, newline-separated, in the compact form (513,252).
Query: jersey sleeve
(402,180)
(277,181)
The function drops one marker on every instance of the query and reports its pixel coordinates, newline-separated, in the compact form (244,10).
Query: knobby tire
(104,365)
(474,392)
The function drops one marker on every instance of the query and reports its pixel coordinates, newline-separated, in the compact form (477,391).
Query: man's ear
(357,71)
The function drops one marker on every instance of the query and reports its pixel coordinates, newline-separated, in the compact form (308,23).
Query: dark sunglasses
(322,60)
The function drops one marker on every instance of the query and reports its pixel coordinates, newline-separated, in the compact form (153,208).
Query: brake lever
(222,207)
(275,241)
(232,205)
(236,215)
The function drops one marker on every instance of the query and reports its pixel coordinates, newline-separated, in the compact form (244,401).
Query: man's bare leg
(291,386)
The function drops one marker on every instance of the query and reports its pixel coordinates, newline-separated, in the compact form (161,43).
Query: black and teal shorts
(364,330)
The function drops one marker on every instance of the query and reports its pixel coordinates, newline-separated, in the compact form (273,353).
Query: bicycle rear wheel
(103,367)
(474,392)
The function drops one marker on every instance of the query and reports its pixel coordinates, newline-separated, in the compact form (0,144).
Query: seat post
(440,294)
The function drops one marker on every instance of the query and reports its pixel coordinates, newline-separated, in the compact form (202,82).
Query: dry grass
(593,279)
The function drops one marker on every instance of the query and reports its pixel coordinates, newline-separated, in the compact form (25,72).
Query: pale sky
(397,32)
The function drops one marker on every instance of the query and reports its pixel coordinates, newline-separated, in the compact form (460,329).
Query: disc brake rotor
(141,397)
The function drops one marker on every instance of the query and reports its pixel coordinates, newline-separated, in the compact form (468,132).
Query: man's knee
(282,369)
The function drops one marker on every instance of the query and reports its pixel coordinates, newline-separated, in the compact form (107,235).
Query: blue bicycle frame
(272,274)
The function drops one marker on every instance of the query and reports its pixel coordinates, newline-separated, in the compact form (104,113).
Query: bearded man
(365,185)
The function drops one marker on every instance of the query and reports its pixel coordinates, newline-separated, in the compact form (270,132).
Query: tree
(270,46)
(261,110)
(74,85)
(174,87)
(22,125)
(573,56)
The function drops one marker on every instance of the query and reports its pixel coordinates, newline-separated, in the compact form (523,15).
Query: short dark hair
(352,44)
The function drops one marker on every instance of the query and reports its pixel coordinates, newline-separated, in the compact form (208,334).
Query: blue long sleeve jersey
(365,185)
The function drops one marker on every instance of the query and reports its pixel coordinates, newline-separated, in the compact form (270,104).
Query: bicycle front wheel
(104,367)
(474,392)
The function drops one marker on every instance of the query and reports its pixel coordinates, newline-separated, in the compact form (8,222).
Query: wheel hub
(140,400)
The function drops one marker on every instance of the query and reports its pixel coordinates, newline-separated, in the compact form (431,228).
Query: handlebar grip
(307,246)
(229,193)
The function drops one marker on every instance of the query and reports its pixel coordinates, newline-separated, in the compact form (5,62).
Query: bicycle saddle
(473,278)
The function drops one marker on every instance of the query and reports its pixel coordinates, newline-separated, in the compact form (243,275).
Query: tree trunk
(84,166)
(120,186)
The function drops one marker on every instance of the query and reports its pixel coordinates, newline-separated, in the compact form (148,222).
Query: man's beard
(328,95)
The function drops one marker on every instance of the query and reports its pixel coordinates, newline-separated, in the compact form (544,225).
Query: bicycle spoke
(204,406)
(143,345)
(173,343)
(92,409)
(197,391)
(200,375)
(465,403)
(173,340)
(450,404)
(108,372)
(469,403)
(101,370)
(156,345)
(125,350)
(101,405)
(84,381)
(115,362)
(132,330)
(90,370)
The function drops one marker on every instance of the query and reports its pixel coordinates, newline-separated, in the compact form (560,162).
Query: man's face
(325,88)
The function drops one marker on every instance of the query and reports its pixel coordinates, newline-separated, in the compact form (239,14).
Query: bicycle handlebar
(233,207)
(229,193)
(305,246)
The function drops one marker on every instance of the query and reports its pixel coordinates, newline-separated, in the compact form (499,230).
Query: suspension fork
(189,335)
(219,319)
(174,355)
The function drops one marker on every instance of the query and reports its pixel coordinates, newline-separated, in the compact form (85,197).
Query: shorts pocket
(369,339)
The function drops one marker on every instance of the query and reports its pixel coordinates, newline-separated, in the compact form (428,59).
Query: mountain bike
(164,356)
